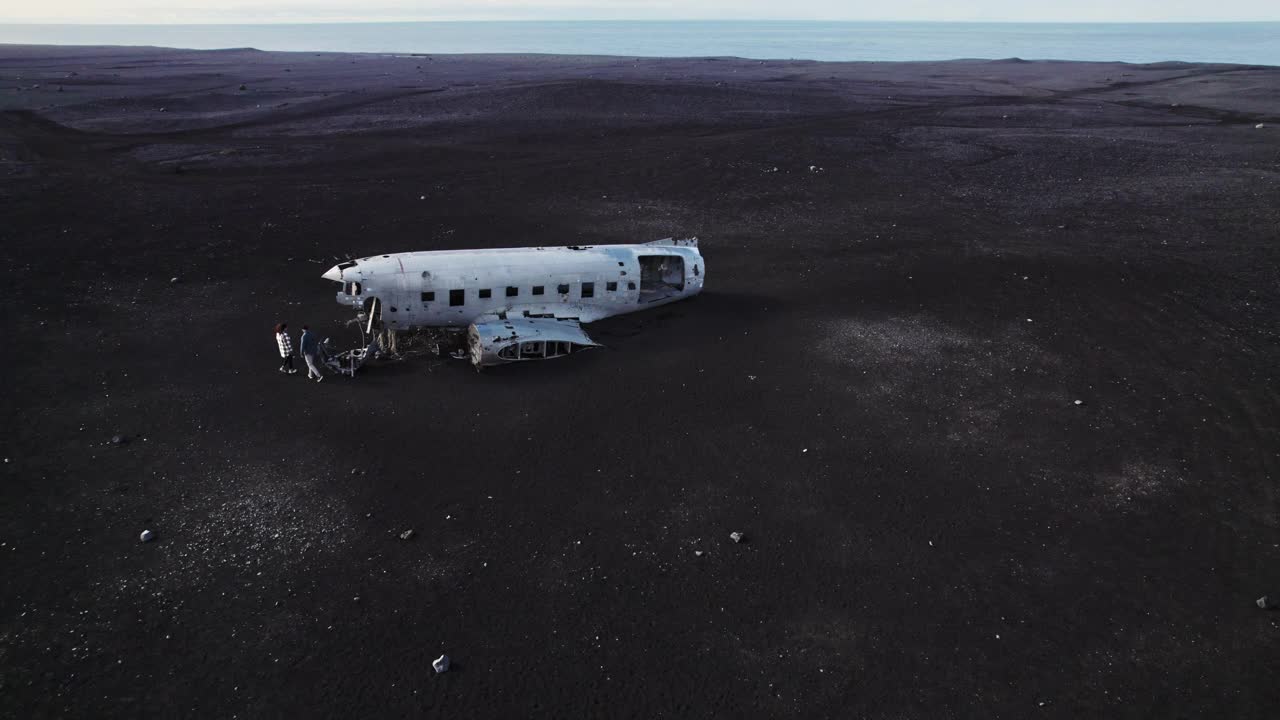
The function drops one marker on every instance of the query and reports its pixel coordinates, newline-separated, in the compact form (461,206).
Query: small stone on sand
(735,536)
(147,536)
(441,663)
(406,535)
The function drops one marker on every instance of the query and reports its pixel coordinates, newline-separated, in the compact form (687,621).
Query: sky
(254,11)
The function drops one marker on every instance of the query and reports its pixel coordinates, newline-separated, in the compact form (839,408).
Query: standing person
(310,348)
(286,348)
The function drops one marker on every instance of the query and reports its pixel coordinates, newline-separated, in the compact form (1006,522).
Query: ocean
(1249,43)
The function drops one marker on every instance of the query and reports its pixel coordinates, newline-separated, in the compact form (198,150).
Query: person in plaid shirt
(286,348)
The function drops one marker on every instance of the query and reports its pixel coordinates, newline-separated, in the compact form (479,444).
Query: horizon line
(637,20)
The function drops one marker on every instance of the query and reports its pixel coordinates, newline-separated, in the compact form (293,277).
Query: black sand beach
(914,272)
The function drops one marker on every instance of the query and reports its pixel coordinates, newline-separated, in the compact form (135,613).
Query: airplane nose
(334,274)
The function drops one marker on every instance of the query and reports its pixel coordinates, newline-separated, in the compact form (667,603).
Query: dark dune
(914,272)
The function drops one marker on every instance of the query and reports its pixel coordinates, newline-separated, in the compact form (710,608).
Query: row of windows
(458,297)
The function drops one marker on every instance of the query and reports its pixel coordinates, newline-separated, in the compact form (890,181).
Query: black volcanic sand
(915,271)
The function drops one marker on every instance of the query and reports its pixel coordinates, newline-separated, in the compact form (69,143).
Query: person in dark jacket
(310,348)
(285,345)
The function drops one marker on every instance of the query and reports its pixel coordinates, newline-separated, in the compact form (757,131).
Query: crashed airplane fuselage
(519,303)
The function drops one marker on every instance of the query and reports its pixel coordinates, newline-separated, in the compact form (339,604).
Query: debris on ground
(147,536)
(1079,402)
(735,536)
(441,663)
(1266,603)
(118,440)
(1259,126)
(173,280)
(698,553)
(406,535)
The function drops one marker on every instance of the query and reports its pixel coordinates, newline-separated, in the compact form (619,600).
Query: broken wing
(498,341)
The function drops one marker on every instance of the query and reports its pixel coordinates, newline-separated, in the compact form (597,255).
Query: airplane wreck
(515,304)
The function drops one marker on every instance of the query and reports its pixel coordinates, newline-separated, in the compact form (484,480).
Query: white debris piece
(406,535)
(735,536)
(698,553)
(1266,603)
(1259,126)
(441,664)
(147,536)
(1079,402)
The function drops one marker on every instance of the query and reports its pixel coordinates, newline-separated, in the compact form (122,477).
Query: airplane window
(428,296)
(485,293)
(513,291)
(537,289)
(588,289)
(631,286)
(611,286)
(563,289)
(457,297)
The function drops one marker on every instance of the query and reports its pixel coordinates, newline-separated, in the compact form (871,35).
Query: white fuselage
(460,287)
